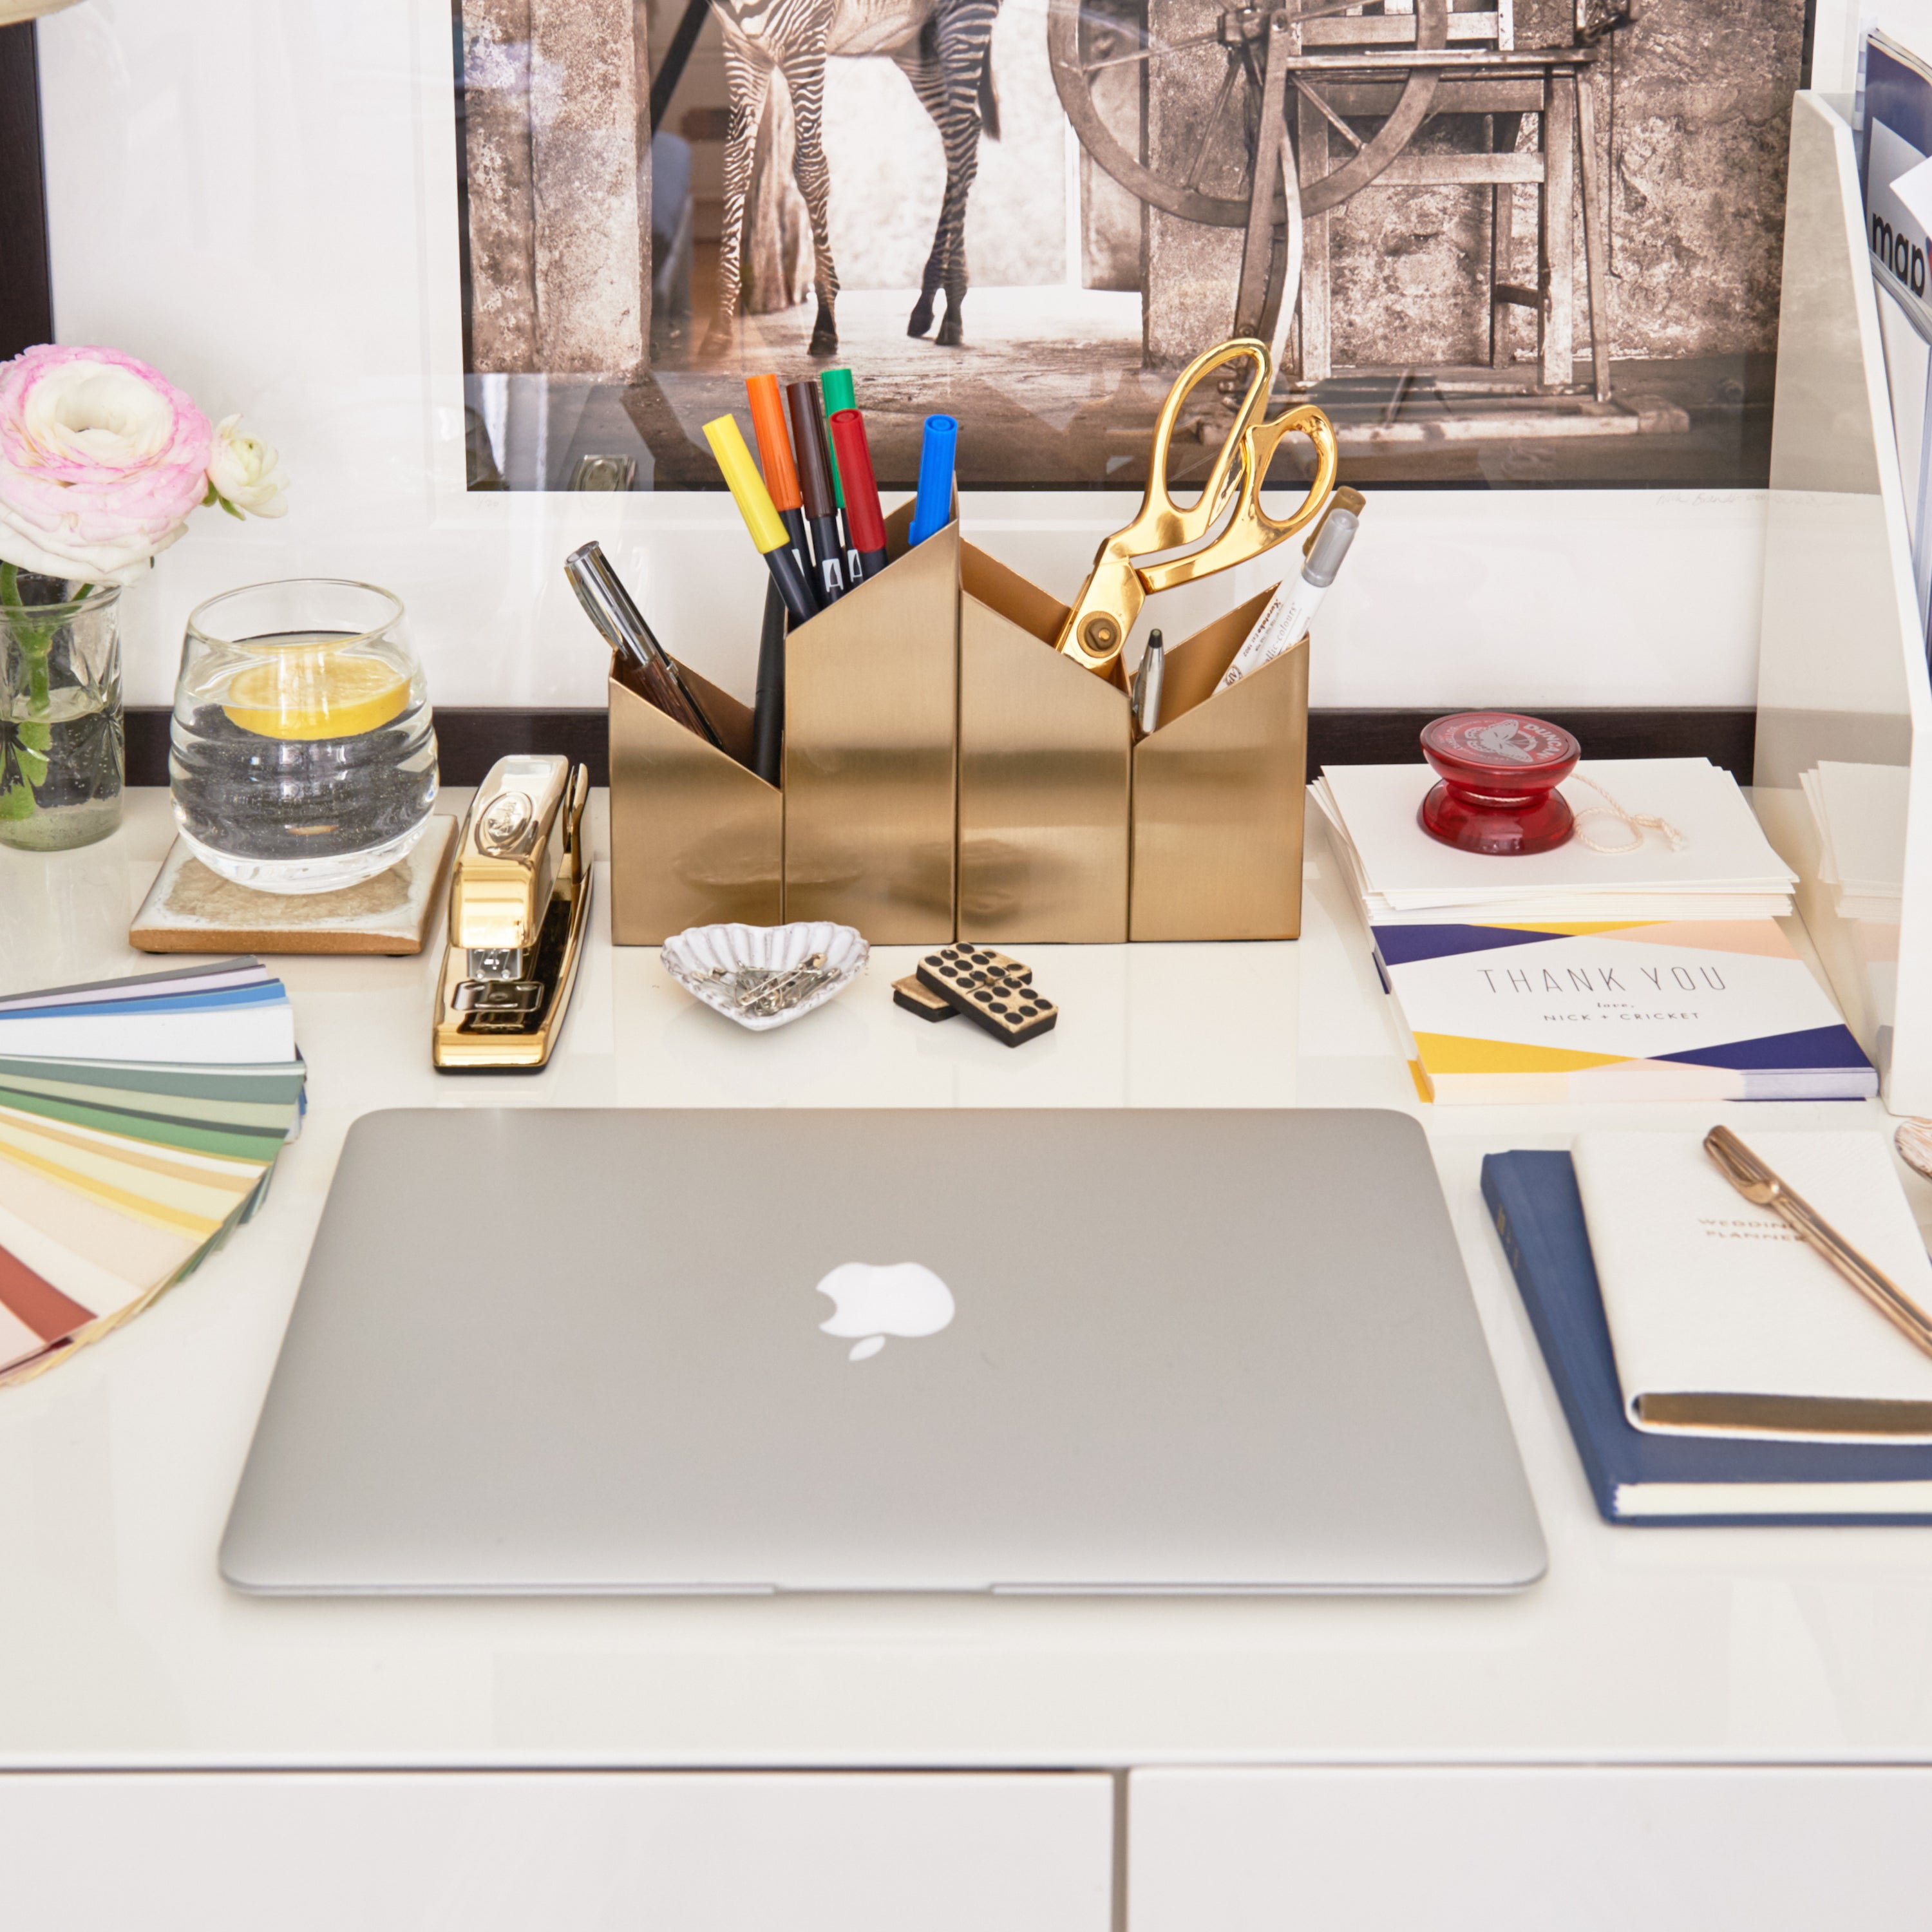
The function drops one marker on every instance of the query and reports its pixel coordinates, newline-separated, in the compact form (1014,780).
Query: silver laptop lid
(1090,1350)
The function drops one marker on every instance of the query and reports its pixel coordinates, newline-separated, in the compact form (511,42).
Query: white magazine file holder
(1842,677)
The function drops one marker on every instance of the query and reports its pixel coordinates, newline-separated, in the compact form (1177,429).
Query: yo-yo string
(1639,822)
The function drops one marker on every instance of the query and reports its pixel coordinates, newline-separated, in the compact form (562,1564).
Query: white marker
(1290,610)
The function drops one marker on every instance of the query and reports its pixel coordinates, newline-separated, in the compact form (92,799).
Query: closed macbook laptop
(1092,1350)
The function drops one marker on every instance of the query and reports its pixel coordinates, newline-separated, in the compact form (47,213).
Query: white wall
(258,197)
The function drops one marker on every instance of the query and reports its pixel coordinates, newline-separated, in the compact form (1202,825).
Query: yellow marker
(761,519)
(755,500)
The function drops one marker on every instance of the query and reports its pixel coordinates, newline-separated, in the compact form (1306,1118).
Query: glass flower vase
(62,760)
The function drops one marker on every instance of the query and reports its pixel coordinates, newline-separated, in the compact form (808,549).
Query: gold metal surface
(1747,1172)
(697,839)
(1044,768)
(512,1022)
(1218,793)
(506,858)
(871,718)
(1097,627)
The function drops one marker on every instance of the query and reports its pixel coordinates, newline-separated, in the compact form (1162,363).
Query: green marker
(837,384)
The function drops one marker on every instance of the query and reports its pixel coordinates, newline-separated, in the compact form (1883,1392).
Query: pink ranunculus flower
(101,460)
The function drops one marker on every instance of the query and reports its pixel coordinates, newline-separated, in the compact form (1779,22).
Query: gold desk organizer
(871,726)
(1219,793)
(697,837)
(1046,771)
(949,774)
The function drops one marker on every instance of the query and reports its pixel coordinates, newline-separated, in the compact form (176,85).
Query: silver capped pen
(608,606)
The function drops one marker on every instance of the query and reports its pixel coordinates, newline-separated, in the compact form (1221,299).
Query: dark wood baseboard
(1726,734)
(471,738)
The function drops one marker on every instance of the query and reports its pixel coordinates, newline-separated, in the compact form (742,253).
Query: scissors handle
(1251,530)
(1110,598)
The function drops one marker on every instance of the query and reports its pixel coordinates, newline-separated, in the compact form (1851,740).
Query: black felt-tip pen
(806,411)
(768,705)
(754,504)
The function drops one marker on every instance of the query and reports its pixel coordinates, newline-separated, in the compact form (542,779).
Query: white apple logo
(873,1302)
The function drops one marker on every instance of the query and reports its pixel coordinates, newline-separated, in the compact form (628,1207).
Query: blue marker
(932,509)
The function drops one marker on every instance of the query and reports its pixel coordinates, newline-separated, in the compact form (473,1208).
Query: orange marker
(775,459)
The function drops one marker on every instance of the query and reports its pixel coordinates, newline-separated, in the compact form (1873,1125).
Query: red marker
(867,525)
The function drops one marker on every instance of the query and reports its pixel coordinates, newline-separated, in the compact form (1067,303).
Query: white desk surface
(120,1646)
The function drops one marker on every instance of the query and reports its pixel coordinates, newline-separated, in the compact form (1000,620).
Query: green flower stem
(37,643)
(33,735)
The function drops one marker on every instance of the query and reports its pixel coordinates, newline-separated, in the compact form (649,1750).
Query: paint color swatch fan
(140,1119)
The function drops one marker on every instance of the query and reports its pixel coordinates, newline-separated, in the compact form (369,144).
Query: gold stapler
(518,906)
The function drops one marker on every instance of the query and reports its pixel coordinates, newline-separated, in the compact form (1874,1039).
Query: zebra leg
(748,81)
(965,40)
(805,75)
(921,67)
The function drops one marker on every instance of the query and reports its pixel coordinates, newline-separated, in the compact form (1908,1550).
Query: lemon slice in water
(316,694)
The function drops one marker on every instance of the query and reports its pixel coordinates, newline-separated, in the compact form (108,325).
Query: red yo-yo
(1499,773)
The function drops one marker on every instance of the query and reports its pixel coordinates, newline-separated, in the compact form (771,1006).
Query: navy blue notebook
(1641,1478)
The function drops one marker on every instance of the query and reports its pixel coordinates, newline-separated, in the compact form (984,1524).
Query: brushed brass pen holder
(1046,771)
(697,837)
(871,742)
(948,774)
(1219,793)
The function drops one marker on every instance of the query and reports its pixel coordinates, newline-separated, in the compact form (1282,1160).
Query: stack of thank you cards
(1657,973)
(1713,1366)
(140,1119)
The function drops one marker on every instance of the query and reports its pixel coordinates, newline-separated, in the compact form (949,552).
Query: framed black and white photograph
(1517,243)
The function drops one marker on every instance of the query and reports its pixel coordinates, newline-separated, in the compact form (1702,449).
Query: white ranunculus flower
(243,473)
(101,460)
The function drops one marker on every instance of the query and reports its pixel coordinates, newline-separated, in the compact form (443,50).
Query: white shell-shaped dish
(689,956)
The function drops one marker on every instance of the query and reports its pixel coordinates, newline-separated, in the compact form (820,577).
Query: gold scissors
(1110,600)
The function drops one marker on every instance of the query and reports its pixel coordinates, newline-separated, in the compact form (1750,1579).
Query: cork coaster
(189,909)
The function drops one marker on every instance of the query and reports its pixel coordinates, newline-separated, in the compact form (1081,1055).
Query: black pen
(768,706)
(806,411)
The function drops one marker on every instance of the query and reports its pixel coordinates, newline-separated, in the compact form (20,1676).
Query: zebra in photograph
(944,48)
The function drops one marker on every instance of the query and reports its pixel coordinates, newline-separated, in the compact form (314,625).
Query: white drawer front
(556,1852)
(1539,1850)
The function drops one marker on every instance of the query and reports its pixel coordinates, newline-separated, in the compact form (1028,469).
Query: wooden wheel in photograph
(1214,184)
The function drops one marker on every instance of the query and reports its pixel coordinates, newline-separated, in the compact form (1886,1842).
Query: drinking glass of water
(302,754)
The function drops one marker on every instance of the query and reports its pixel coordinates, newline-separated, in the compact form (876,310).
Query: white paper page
(1606,908)
(1813,788)
(1705,1293)
(1724,848)
(1865,807)
(1914,188)
(241,1036)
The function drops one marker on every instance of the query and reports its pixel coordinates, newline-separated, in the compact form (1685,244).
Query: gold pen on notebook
(1757,1183)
